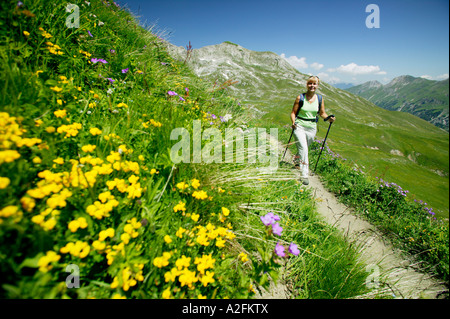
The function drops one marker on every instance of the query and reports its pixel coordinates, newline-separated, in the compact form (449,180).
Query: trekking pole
(323,144)
(287,145)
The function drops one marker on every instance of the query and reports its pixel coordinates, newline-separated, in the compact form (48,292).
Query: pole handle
(326,119)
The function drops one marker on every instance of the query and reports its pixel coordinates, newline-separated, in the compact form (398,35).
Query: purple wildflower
(112,51)
(279,250)
(293,249)
(125,70)
(181,99)
(172,93)
(269,219)
(110,80)
(277,229)
(95,60)
(90,34)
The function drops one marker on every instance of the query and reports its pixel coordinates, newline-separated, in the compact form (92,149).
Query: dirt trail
(398,277)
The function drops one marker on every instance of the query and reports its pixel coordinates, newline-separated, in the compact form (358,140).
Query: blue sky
(322,37)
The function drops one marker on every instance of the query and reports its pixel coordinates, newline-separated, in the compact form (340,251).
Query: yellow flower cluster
(4,182)
(11,211)
(128,278)
(48,224)
(71,130)
(210,232)
(60,113)
(180,207)
(44,33)
(77,223)
(78,249)
(152,123)
(200,195)
(44,262)
(103,207)
(10,136)
(162,261)
(53,48)
(88,148)
(86,54)
(187,277)
(130,230)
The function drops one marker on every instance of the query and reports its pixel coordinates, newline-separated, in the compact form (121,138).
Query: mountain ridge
(421,97)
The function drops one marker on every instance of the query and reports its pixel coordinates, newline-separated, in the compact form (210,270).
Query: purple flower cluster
(393,185)
(270,219)
(172,93)
(95,60)
(293,249)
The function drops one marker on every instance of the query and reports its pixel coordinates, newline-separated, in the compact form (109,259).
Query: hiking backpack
(300,104)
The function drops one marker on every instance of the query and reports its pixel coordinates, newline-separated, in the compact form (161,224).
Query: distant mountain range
(423,98)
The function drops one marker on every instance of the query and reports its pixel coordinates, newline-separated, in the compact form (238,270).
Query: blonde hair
(313,78)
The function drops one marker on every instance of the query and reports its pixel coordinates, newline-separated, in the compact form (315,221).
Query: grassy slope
(128,242)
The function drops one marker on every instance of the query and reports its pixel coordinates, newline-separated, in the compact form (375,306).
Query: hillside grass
(92,205)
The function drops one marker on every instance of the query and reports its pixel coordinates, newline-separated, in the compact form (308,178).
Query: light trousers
(304,136)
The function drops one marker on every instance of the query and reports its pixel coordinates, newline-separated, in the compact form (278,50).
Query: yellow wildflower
(167,239)
(4,182)
(60,113)
(183,262)
(95,131)
(195,183)
(166,293)
(56,89)
(200,195)
(45,261)
(182,185)
(180,206)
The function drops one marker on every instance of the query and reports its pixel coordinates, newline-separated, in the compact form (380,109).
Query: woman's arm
(295,110)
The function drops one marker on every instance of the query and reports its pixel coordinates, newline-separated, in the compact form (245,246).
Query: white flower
(227,117)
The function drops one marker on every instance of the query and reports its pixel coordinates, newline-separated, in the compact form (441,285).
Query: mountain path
(391,273)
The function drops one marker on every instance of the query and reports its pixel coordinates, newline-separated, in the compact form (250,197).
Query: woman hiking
(304,119)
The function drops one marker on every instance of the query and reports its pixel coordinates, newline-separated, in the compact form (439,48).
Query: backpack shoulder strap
(320,101)
(300,103)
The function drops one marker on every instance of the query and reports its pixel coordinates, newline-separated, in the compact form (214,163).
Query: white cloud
(354,69)
(316,66)
(298,63)
(436,78)
(329,79)
(428,77)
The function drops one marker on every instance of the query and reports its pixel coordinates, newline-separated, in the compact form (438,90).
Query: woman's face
(312,85)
